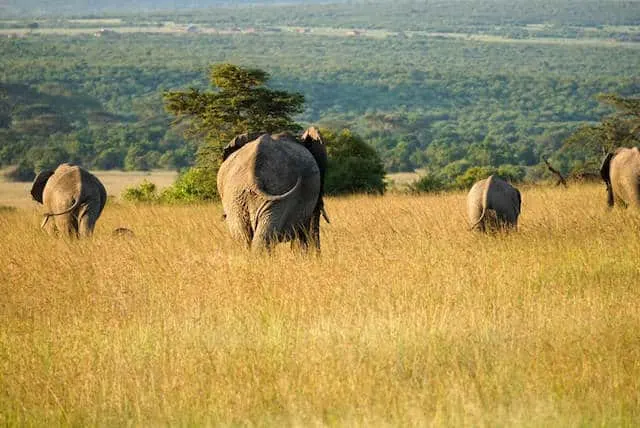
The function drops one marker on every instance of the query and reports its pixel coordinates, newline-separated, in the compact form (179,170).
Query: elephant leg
(314,230)
(300,240)
(67,225)
(302,237)
(87,217)
(263,238)
(240,229)
(308,234)
(481,224)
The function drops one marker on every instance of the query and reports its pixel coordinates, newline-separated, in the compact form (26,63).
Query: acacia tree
(621,128)
(240,102)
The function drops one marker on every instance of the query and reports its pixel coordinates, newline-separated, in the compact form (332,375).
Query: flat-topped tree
(239,103)
(622,128)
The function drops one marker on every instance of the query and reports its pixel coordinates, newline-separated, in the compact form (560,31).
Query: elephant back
(63,185)
(625,160)
(71,182)
(502,197)
(624,173)
(276,165)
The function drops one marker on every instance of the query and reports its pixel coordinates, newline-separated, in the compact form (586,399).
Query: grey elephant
(620,171)
(493,203)
(71,195)
(272,188)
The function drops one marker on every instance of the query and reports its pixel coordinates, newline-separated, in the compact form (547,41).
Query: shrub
(144,192)
(428,183)
(354,166)
(513,173)
(466,180)
(195,184)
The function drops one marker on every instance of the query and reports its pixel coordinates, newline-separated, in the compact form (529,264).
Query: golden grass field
(406,319)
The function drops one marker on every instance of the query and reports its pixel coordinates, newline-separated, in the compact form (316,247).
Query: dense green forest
(436,85)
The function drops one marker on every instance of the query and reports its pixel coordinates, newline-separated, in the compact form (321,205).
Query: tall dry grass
(406,319)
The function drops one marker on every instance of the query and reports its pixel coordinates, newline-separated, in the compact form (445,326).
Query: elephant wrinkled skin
(493,204)
(272,188)
(71,195)
(621,173)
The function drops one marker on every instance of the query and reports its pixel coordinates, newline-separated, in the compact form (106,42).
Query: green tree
(239,103)
(427,183)
(354,166)
(622,128)
(466,180)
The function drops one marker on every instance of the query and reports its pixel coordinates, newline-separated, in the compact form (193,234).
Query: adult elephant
(71,195)
(272,188)
(493,203)
(621,173)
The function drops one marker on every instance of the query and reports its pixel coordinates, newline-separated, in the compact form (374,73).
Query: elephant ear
(39,183)
(313,141)
(237,143)
(604,168)
(606,176)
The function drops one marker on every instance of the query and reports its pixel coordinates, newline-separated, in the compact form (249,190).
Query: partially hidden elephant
(493,204)
(620,171)
(272,188)
(71,195)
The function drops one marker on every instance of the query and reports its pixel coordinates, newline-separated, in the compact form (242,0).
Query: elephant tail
(75,205)
(282,196)
(484,211)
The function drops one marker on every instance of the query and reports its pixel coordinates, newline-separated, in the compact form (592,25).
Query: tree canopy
(621,128)
(240,103)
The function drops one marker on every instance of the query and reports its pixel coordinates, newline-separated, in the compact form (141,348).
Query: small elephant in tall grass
(620,171)
(72,196)
(493,204)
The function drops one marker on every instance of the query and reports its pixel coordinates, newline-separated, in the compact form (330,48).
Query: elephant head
(313,141)
(237,142)
(605,173)
(39,183)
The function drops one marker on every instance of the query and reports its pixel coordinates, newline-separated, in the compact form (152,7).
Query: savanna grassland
(407,318)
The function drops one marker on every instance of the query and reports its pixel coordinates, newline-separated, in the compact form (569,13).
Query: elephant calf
(271,188)
(71,195)
(621,173)
(493,203)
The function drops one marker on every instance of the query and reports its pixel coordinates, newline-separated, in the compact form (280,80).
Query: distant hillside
(395,14)
(443,85)
(45,8)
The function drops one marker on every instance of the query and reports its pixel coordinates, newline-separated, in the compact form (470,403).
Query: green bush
(512,173)
(195,184)
(354,166)
(144,192)
(466,180)
(428,183)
